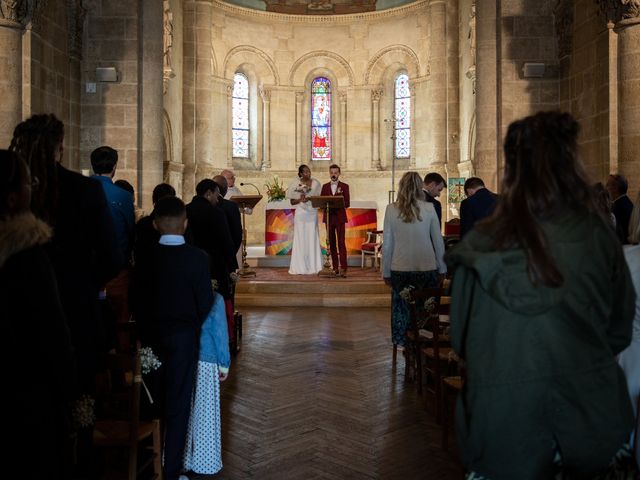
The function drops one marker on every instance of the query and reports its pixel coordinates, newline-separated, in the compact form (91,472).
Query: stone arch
(264,67)
(321,59)
(380,62)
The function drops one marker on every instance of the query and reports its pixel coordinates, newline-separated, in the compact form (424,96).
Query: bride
(306,257)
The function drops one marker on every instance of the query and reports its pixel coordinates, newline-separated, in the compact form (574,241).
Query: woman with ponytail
(542,302)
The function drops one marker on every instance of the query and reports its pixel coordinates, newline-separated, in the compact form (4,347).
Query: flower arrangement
(275,189)
(83,412)
(148,360)
(405,294)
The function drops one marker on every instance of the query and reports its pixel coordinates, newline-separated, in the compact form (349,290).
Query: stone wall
(280,54)
(585,59)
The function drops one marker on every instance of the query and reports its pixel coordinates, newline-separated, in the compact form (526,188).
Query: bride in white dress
(306,257)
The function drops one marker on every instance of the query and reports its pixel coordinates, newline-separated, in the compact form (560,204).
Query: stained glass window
(321,119)
(240,116)
(402,147)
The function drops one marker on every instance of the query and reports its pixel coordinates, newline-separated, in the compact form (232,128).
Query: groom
(337,220)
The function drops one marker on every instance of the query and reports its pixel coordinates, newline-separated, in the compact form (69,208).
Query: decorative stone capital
(299,97)
(342,96)
(265,94)
(229,90)
(376,94)
(618,10)
(167,40)
(21,12)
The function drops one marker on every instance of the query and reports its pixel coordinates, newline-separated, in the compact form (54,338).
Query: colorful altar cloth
(278,232)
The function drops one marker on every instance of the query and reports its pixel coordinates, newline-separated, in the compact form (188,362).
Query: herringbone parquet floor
(312,395)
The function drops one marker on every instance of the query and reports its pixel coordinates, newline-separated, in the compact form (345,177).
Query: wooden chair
(372,246)
(118,424)
(424,329)
(451,387)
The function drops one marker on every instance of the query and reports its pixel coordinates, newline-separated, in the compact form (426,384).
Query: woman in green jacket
(542,303)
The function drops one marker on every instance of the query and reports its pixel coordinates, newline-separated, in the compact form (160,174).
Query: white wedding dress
(306,256)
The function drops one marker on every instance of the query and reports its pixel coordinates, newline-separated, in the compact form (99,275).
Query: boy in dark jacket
(173,296)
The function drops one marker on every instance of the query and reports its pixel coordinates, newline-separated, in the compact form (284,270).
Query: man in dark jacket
(479,204)
(434,183)
(208,229)
(232,212)
(617,186)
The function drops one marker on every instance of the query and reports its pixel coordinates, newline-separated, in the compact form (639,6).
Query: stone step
(331,286)
(346,300)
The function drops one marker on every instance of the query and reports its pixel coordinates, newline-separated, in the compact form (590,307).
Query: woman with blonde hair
(413,249)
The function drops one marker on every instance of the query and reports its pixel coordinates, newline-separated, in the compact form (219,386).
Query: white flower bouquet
(148,360)
(83,412)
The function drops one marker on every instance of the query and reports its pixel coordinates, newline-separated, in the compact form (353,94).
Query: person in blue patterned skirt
(203,448)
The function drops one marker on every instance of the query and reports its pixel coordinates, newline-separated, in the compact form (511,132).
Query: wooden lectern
(245,201)
(327,202)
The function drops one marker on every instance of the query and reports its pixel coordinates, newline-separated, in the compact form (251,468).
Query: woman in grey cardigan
(413,249)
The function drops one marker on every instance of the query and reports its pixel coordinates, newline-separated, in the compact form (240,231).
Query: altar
(278,237)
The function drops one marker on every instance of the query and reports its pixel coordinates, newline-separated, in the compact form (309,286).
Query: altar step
(333,292)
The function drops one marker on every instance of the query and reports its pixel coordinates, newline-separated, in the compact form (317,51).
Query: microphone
(243,184)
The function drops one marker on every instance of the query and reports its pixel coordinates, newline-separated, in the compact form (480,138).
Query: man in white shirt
(232,190)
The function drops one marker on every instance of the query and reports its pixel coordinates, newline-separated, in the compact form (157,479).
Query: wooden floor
(313,395)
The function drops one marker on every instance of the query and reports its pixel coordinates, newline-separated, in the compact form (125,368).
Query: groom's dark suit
(337,221)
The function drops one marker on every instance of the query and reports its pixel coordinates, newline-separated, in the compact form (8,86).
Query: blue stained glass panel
(240,116)
(321,119)
(402,147)
(241,143)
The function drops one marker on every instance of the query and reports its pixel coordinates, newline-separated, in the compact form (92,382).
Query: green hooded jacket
(540,366)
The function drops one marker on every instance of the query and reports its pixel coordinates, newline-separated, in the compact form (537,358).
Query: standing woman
(542,301)
(413,249)
(306,257)
(629,359)
(37,356)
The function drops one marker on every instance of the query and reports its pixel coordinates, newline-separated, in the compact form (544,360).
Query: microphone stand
(251,184)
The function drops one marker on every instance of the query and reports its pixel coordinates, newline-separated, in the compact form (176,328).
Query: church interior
(186,89)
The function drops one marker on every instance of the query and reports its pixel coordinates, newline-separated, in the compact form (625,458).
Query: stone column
(76,14)
(265,94)
(343,128)
(299,115)
(14,17)
(197,124)
(150,120)
(628,30)
(487,150)
(438,86)
(376,94)
(412,129)
(229,162)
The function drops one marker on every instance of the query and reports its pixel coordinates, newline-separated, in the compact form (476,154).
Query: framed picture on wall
(455,189)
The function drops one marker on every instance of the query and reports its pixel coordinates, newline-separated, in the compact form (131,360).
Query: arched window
(240,116)
(321,119)
(402,134)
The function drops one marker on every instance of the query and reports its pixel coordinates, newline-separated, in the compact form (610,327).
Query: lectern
(327,202)
(245,201)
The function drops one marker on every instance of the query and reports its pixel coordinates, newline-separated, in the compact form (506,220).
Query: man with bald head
(232,190)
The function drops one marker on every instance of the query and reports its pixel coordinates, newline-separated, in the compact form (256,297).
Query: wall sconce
(106,74)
